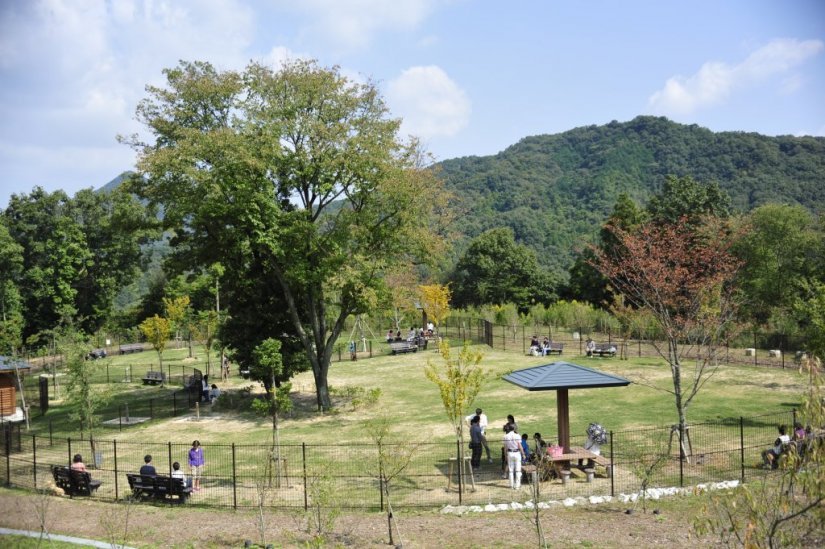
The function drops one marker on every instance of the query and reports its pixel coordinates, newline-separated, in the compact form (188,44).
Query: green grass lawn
(413,404)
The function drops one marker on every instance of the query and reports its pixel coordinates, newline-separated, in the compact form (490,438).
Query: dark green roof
(563,375)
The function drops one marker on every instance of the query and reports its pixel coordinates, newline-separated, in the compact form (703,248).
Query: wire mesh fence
(411,475)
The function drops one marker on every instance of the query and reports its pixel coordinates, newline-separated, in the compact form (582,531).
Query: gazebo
(561,377)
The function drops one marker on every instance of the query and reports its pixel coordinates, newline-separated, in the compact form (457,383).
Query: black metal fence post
(612,468)
(120,418)
(234,480)
(7,436)
(34,460)
(51,432)
(304,463)
(151,408)
(107,373)
(380,477)
(69,449)
(742,448)
(174,404)
(114,450)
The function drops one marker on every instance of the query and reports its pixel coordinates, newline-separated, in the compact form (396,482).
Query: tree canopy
(302,169)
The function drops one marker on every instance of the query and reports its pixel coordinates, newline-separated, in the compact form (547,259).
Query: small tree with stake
(277,402)
(157,329)
(393,458)
(459,381)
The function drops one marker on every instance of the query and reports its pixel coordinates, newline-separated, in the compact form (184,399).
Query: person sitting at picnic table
(147,469)
(390,335)
(77,464)
(475,442)
(541,446)
(590,346)
(545,346)
(398,335)
(525,448)
(770,457)
(798,431)
(214,393)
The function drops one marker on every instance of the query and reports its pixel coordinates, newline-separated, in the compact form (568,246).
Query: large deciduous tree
(682,273)
(496,269)
(11,315)
(301,168)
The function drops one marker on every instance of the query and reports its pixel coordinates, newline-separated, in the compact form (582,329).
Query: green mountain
(556,190)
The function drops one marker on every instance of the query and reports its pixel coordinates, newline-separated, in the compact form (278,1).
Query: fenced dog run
(422,474)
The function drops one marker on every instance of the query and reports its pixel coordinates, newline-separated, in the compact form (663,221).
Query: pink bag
(554,451)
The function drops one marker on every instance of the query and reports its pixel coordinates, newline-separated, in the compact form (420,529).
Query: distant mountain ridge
(554,191)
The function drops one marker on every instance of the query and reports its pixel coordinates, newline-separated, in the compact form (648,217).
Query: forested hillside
(555,190)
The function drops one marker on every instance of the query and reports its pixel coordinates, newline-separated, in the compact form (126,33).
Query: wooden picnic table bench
(403,347)
(158,487)
(153,378)
(94,354)
(131,348)
(554,348)
(74,483)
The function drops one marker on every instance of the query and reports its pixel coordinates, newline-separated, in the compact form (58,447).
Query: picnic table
(158,487)
(130,348)
(403,347)
(153,378)
(581,459)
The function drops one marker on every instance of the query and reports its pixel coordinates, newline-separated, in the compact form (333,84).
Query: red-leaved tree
(682,274)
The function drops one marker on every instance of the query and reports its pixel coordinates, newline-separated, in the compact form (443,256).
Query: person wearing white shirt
(482,422)
(515,454)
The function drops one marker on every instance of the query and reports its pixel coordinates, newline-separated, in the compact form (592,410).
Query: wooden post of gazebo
(563,411)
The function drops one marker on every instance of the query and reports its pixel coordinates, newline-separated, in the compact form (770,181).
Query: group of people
(539,348)
(413,335)
(516,450)
(800,437)
(196,462)
(209,393)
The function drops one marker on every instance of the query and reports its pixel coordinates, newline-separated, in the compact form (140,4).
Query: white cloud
(430,103)
(716,81)
(353,23)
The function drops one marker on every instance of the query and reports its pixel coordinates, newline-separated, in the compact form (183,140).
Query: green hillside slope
(555,190)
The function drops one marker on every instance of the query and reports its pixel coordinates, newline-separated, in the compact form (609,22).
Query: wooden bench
(403,347)
(554,348)
(153,378)
(131,348)
(74,483)
(604,349)
(158,487)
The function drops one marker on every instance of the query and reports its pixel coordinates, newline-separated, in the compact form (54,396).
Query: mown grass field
(412,402)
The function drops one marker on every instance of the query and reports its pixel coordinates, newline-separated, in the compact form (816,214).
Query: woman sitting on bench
(77,464)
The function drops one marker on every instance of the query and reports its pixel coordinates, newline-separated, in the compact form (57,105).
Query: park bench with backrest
(158,487)
(131,348)
(153,378)
(604,349)
(403,347)
(94,354)
(553,347)
(74,483)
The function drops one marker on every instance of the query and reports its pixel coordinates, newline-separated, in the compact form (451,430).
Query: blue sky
(468,77)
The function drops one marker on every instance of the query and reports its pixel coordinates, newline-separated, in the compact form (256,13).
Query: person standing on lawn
(475,442)
(512,447)
(196,462)
(482,423)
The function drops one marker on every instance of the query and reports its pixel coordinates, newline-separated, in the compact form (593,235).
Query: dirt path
(163,526)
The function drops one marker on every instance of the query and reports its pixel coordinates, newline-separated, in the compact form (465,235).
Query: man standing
(512,446)
(482,422)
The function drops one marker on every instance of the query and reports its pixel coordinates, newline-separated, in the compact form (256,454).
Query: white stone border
(652,493)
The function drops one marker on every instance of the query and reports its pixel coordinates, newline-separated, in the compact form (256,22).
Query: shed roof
(8,363)
(563,375)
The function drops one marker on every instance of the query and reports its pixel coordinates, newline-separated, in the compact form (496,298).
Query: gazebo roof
(562,375)
(8,363)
